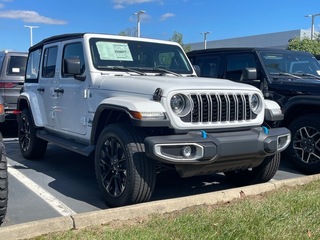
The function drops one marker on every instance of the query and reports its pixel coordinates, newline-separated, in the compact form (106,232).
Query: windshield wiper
(123,69)
(284,74)
(163,70)
(307,75)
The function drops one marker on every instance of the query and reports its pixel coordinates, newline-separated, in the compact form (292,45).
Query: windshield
(127,55)
(290,64)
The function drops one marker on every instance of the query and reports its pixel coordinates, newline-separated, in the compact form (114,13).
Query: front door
(72,95)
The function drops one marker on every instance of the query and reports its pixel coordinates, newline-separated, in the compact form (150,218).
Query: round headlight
(255,103)
(180,104)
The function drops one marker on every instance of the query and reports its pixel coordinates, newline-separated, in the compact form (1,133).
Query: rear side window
(16,66)
(49,62)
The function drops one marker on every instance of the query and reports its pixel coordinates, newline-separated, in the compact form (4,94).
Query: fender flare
(126,104)
(301,100)
(137,104)
(36,107)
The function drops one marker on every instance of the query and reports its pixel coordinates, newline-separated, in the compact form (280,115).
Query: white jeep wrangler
(137,106)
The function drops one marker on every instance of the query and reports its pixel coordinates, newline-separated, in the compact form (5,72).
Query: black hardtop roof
(237,49)
(56,38)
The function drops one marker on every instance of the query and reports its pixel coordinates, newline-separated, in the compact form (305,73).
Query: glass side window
(33,65)
(74,51)
(1,60)
(236,64)
(16,66)
(209,66)
(49,62)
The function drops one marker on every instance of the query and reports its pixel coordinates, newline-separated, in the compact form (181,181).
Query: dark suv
(12,71)
(290,78)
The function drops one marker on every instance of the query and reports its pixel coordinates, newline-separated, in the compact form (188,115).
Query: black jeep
(290,78)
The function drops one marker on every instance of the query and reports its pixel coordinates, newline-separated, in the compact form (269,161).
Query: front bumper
(199,147)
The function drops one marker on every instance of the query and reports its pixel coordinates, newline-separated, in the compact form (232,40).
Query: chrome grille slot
(215,108)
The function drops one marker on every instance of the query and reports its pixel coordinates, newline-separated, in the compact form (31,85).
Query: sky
(223,19)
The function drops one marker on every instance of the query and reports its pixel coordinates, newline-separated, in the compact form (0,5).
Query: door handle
(58,90)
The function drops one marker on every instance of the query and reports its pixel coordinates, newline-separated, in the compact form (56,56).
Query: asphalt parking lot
(63,185)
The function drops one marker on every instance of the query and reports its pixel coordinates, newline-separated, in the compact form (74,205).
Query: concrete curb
(82,220)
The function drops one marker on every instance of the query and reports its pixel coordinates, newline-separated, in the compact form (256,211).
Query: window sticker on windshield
(318,71)
(114,51)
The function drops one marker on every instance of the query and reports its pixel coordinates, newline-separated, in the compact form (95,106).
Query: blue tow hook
(265,129)
(203,133)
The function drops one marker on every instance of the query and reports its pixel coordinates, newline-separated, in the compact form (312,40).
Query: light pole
(138,21)
(312,23)
(205,38)
(31,27)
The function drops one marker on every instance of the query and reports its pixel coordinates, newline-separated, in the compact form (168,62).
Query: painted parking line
(55,203)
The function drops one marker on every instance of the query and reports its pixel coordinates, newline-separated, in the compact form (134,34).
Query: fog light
(186,151)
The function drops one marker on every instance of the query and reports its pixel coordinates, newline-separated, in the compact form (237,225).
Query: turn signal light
(1,109)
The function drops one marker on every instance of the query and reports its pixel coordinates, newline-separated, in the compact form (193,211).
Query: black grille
(219,108)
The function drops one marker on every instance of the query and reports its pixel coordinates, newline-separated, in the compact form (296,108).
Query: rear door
(48,83)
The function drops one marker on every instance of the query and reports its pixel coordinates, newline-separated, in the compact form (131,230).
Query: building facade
(274,40)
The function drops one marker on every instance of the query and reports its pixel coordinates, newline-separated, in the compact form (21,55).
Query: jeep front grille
(217,108)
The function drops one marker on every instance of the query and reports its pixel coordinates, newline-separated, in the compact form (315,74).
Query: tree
(131,32)
(305,44)
(178,37)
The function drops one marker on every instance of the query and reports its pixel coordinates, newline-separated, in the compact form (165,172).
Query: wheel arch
(31,102)
(299,106)
(118,109)
(106,115)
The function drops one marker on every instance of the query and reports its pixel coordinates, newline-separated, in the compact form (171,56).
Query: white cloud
(1,5)
(121,3)
(166,16)
(30,17)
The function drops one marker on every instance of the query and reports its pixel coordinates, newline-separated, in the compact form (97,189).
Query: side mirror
(249,74)
(197,69)
(72,66)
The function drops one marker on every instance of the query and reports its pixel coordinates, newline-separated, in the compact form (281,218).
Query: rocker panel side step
(72,145)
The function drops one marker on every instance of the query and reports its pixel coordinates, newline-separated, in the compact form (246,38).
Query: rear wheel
(262,173)
(304,148)
(124,174)
(3,182)
(31,147)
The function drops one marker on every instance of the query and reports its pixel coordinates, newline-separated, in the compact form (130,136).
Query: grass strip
(286,213)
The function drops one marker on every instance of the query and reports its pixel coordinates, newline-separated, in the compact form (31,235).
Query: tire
(260,174)
(124,173)
(304,149)
(3,182)
(31,147)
